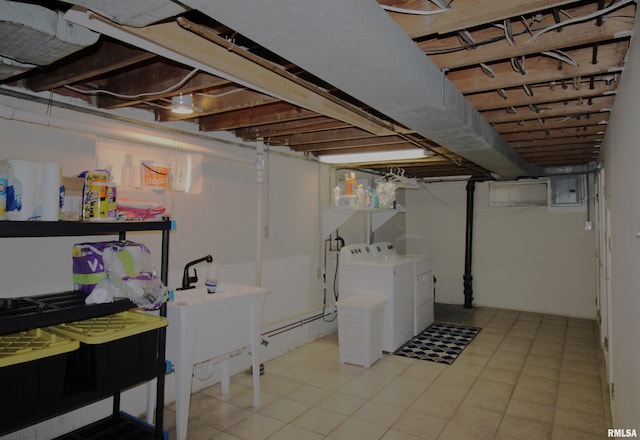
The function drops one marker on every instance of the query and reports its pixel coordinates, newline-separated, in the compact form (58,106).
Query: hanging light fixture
(182,104)
(374,156)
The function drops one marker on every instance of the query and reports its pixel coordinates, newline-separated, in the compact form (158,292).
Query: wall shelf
(77,228)
(332,219)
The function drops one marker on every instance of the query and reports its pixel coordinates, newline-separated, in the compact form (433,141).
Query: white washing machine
(360,272)
(423,301)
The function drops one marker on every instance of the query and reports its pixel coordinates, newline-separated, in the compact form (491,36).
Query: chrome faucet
(186,279)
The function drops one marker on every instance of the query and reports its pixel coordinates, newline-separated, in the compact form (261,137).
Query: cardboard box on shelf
(72,201)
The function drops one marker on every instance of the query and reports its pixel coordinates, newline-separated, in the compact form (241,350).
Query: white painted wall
(621,161)
(221,221)
(524,258)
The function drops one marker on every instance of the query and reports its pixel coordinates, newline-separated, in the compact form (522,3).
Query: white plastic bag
(118,269)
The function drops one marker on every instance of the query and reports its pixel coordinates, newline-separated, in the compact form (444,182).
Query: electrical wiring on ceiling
(413,11)
(442,7)
(587,17)
(561,56)
(534,32)
(218,95)
(139,95)
(466,46)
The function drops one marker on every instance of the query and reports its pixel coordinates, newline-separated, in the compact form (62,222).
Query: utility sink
(204,326)
(199,295)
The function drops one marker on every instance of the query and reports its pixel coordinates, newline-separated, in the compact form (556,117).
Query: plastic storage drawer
(360,322)
(116,351)
(32,372)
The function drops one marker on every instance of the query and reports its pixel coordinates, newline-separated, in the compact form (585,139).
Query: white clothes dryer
(423,299)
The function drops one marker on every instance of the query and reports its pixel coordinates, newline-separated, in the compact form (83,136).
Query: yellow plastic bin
(360,324)
(32,372)
(116,351)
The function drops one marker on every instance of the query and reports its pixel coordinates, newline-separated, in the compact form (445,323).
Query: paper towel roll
(49,208)
(26,185)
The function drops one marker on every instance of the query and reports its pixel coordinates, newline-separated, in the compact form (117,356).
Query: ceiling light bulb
(375,156)
(182,104)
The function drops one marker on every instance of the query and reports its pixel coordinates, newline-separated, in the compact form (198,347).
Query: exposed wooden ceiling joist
(552,112)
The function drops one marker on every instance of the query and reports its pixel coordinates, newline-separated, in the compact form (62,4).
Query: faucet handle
(186,279)
(194,278)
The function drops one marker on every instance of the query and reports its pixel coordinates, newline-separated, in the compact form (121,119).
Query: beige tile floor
(525,376)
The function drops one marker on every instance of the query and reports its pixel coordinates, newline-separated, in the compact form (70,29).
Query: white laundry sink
(225,291)
(205,326)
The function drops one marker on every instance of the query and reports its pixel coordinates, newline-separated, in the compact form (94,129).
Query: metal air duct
(355,46)
(32,36)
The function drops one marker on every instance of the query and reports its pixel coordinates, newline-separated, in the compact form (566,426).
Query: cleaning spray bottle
(211,282)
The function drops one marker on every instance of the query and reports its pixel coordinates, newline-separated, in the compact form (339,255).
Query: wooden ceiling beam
(585,120)
(259,117)
(562,161)
(579,34)
(197,50)
(543,93)
(353,143)
(153,82)
(104,58)
(207,103)
(467,14)
(594,130)
(324,136)
(560,142)
(575,154)
(550,110)
(541,69)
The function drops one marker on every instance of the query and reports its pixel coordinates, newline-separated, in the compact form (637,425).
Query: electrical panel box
(566,190)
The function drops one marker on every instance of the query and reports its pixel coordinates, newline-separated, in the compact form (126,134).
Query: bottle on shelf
(336,196)
(374,198)
(350,184)
(127,176)
(360,197)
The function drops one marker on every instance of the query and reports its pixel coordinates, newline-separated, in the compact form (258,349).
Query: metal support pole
(468,277)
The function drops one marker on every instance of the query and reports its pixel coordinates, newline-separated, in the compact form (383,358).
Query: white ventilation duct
(32,35)
(355,46)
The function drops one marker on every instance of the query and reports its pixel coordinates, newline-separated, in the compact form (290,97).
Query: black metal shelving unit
(19,314)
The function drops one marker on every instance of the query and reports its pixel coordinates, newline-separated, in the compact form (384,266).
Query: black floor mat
(440,342)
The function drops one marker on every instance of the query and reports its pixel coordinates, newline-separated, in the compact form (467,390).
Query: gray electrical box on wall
(566,190)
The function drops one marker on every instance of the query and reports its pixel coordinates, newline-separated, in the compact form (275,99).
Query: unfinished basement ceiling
(522,89)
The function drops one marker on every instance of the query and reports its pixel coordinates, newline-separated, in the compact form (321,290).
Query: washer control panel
(356,252)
